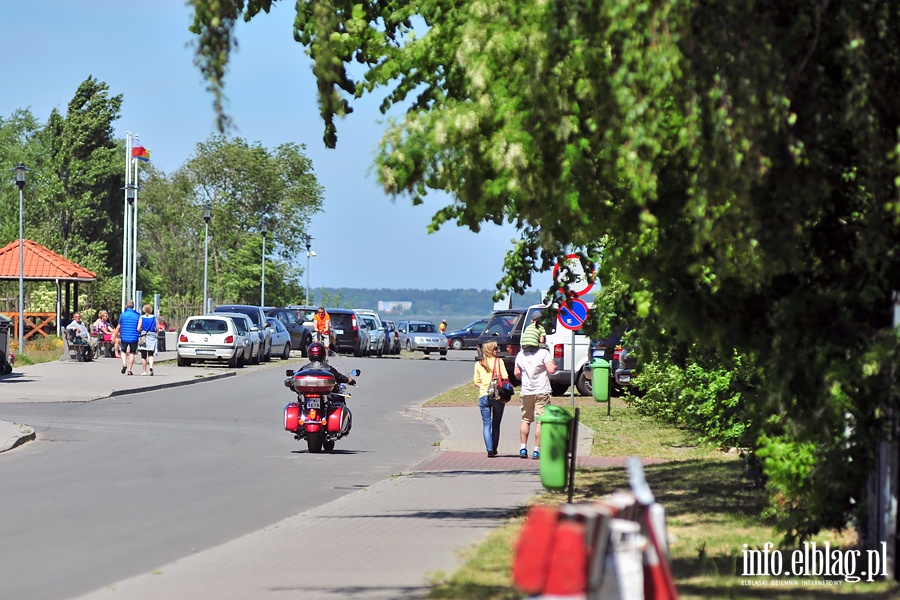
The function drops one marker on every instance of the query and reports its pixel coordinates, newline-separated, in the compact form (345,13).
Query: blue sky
(143,50)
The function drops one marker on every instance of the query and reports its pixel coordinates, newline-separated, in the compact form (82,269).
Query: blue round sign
(573,314)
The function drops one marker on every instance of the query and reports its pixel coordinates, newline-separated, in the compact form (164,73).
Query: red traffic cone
(533,549)
(568,564)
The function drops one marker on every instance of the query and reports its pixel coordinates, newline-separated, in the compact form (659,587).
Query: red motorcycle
(320,415)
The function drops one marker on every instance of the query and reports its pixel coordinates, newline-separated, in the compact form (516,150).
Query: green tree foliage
(81,204)
(245,185)
(737,163)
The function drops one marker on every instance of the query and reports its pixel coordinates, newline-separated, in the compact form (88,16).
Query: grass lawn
(712,510)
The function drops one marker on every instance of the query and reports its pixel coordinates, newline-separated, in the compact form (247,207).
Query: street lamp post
(264,228)
(207,212)
(309,253)
(20,182)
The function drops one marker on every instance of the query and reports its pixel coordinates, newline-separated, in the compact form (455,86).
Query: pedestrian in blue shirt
(128,332)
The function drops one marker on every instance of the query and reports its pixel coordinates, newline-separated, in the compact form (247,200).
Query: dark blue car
(467,337)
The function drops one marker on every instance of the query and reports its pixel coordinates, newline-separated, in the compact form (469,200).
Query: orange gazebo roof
(40,264)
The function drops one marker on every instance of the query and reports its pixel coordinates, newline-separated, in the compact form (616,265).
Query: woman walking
(487,368)
(147,329)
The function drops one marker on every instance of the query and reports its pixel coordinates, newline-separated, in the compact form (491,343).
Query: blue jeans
(491,413)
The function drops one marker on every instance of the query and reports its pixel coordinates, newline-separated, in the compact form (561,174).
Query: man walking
(533,368)
(128,333)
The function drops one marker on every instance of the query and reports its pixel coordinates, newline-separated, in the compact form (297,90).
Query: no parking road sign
(573,313)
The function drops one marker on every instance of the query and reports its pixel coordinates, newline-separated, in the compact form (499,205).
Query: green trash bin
(600,379)
(555,424)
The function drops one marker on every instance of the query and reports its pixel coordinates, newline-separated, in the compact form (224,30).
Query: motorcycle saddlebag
(339,419)
(292,416)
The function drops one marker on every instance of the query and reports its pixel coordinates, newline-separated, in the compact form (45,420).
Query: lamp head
(207,213)
(20,174)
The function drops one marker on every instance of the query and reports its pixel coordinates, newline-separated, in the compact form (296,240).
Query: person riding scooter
(317,354)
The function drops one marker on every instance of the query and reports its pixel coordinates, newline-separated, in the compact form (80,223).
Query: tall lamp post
(309,253)
(20,182)
(264,229)
(207,212)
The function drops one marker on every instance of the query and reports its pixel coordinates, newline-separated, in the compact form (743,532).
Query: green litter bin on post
(600,379)
(554,447)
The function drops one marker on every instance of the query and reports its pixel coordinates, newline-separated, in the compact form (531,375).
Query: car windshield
(253,314)
(502,324)
(422,328)
(207,326)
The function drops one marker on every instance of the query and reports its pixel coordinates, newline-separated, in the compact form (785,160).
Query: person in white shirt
(533,369)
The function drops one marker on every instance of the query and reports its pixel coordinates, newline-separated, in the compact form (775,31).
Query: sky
(143,50)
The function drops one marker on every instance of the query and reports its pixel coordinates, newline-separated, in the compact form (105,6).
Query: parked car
(281,339)
(249,333)
(624,374)
(622,364)
(422,336)
(209,338)
(301,335)
(305,314)
(258,317)
(393,336)
(505,328)
(350,335)
(467,337)
(377,331)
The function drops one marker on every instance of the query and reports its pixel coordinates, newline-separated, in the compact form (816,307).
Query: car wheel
(287,351)
(256,359)
(182,362)
(443,352)
(408,346)
(584,385)
(235,361)
(268,355)
(426,352)
(456,344)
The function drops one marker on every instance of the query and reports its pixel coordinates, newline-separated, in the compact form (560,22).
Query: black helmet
(316,352)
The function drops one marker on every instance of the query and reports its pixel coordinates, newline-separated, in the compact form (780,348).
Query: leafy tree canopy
(736,162)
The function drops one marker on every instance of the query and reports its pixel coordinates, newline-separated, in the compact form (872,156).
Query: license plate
(624,378)
(339,331)
(206,352)
(599,354)
(313,403)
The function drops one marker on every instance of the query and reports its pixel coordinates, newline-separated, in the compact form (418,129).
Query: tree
(244,185)
(81,205)
(738,162)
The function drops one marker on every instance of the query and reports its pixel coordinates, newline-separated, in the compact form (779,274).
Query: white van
(560,344)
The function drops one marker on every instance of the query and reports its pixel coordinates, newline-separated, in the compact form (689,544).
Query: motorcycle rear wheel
(314,442)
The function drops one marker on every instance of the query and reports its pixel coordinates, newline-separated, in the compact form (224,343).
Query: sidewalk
(392,538)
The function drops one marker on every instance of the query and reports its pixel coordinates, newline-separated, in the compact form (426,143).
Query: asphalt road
(117,487)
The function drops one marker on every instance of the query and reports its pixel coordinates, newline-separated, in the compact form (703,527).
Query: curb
(25,434)
(162,386)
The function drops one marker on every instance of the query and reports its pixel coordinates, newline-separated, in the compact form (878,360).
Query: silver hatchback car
(422,335)
(208,338)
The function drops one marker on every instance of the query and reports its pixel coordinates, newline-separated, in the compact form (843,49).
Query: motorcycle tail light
(558,351)
(313,414)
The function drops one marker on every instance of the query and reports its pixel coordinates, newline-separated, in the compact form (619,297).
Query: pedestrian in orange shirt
(322,323)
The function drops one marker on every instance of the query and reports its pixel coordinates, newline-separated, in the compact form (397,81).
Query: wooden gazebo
(42,264)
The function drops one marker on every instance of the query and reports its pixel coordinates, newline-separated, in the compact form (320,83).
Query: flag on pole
(140,153)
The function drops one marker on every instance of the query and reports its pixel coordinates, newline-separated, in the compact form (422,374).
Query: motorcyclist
(317,354)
